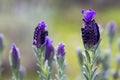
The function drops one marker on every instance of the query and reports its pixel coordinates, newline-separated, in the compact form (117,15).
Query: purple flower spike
(88,15)
(1,42)
(90,31)
(60,50)
(111,28)
(49,49)
(14,56)
(40,34)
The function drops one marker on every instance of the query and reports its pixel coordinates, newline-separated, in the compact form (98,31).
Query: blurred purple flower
(1,42)
(60,50)
(90,30)
(14,57)
(88,15)
(111,30)
(49,49)
(40,34)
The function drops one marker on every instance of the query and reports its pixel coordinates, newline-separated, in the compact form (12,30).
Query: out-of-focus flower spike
(118,59)
(119,44)
(22,72)
(111,31)
(80,56)
(14,57)
(1,43)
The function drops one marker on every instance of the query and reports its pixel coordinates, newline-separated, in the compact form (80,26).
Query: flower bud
(60,50)
(49,53)
(118,59)
(14,57)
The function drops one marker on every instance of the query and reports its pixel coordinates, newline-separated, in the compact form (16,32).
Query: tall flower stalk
(44,51)
(91,39)
(1,51)
(14,58)
(60,56)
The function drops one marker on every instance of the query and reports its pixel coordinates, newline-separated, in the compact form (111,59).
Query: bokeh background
(18,18)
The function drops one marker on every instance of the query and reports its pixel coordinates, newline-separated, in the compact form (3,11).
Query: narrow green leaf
(93,72)
(88,56)
(85,75)
(88,71)
(94,61)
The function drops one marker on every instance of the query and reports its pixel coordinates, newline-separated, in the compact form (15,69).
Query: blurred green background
(18,18)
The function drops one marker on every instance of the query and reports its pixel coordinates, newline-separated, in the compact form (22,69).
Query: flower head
(90,30)
(1,42)
(60,50)
(88,15)
(40,34)
(49,49)
(14,57)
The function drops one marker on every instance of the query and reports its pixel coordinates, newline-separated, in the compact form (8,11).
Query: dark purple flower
(1,42)
(40,34)
(49,52)
(14,56)
(60,50)
(88,15)
(90,30)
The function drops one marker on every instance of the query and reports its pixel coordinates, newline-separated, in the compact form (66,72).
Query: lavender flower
(60,50)
(1,43)
(111,30)
(40,34)
(60,54)
(44,51)
(49,49)
(91,38)
(90,31)
(14,57)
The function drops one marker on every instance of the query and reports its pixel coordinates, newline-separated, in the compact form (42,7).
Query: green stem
(16,76)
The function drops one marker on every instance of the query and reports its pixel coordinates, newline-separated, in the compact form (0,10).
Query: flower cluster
(44,52)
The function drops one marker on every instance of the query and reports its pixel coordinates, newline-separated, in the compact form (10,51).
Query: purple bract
(88,15)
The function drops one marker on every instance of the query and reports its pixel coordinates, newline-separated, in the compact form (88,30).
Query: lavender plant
(14,58)
(91,39)
(44,51)
(60,56)
(1,51)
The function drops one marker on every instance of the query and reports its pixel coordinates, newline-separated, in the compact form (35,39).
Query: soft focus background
(18,18)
